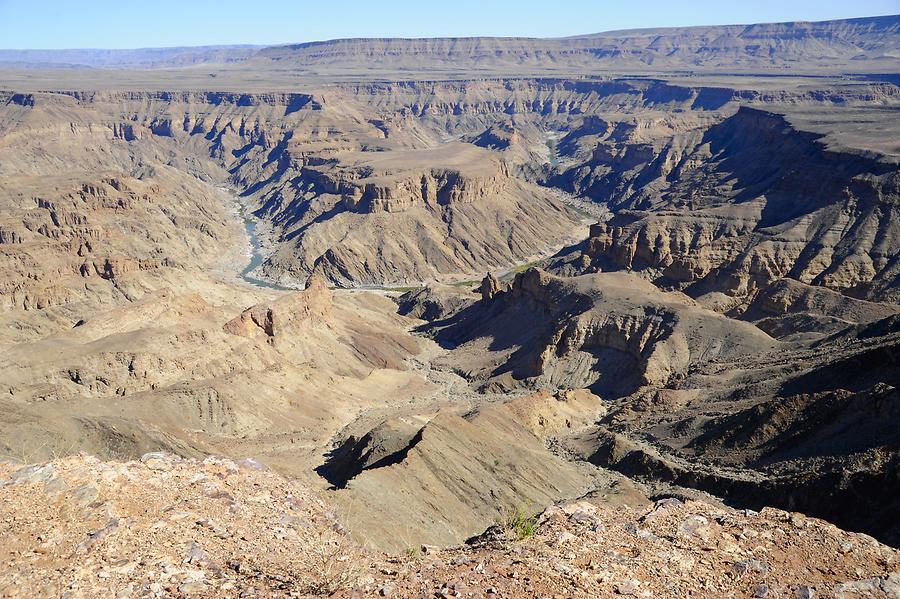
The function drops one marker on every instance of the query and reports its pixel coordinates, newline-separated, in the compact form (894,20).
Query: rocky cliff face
(750,201)
(314,170)
(68,240)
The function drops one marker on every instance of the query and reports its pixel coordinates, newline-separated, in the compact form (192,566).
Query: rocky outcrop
(788,307)
(287,315)
(94,522)
(826,489)
(490,287)
(612,333)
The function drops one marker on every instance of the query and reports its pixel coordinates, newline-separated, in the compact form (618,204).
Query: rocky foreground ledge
(167,527)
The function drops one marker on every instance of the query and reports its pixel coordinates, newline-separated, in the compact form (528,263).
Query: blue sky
(154,23)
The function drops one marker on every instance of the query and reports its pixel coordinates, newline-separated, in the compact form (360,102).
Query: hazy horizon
(107,25)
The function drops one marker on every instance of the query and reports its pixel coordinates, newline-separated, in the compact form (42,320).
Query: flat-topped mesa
(437,187)
(397,180)
(295,312)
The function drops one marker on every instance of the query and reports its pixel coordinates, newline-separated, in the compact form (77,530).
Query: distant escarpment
(865,44)
(821,46)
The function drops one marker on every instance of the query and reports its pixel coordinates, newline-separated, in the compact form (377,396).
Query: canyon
(425,291)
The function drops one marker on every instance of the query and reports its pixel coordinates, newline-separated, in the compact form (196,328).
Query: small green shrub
(412,553)
(519,524)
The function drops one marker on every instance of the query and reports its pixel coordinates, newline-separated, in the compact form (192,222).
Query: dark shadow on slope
(283,163)
(338,208)
(385,445)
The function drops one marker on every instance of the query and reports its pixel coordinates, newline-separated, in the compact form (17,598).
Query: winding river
(256,257)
